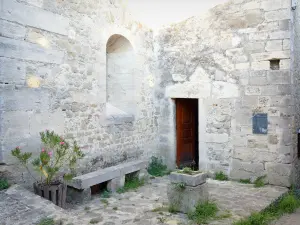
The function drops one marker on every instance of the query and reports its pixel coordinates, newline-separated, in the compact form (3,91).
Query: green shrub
(245,181)
(157,168)
(221,176)
(105,194)
(187,170)
(259,182)
(203,212)
(46,221)
(3,184)
(289,204)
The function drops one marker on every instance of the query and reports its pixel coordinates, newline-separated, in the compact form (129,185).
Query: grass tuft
(105,194)
(221,176)
(157,168)
(131,183)
(203,212)
(3,184)
(259,182)
(46,221)
(245,181)
(288,203)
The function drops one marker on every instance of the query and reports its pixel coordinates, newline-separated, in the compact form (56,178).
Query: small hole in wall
(274,64)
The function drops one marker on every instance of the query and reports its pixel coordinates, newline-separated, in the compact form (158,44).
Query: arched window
(120,65)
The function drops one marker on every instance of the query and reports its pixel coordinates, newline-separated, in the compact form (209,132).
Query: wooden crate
(55,193)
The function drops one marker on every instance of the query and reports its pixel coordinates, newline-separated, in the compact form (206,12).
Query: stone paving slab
(290,219)
(135,207)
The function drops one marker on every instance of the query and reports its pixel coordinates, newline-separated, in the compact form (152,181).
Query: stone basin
(192,180)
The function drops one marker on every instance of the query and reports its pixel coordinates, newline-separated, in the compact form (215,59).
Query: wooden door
(186,129)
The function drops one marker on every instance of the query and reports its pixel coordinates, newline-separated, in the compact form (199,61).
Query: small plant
(203,212)
(132,182)
(187,170)
(160,209)
(173,209)
(221,176)
(104,201)
(115,208)
(161,219)
(87,208)
(245,181)
(56,156)
(106,194)
(225,215)
(180,186)
(259,182)
(46,221)
(95,221)
(3,184)
(157,168)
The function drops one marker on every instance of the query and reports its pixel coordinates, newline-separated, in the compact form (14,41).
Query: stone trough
(79,189)
(185,191)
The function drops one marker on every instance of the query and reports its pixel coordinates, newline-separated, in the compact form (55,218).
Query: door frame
(196,136)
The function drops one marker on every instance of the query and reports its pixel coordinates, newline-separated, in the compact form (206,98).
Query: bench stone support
(116,183)
(78,196)
(143,174)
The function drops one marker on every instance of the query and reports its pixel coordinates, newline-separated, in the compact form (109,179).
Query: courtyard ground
(145,206)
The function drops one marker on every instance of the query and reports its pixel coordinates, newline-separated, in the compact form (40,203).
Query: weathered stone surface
(189,90)
(12,71)
(279,174)
(76,196)
(12,30)
(185,199)
(107,174)
(189,180)
(243,170)
(13,11)
(224,90)
(216,138)
(24,50)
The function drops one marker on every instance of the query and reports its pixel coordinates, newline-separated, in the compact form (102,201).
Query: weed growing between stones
(245,181)
(288,203)
(3,184)
(180,186)
(157,168)
(95,221)
(160,209)
(105,194)
(259,182)
(46,221)
(104,201)
(203,212)
(221,176)
(131,183)
(173,209)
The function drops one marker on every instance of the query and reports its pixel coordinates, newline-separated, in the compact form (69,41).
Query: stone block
(284,24)
(216,138)
(12,30)
(24,99)
(262,65)
(27,51)
(76,196)
(281,14)
(275,45)
(265,56)
(280,35)
(116,183)
(279,174)
(261,36)
(253,47)
(189,180)
(179,77)
(224,90)
(258,81)
(253,90)
(271,5)
(242,66)
(285,64)
(184,199)
(12,71)
(189,90)
(244,170)
(14,11)
(279,77)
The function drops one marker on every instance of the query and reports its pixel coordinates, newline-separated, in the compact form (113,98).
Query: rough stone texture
(76,196)
(228,51)
(116,183)
(136,207)
(64,64)
(190,180)
(185,199)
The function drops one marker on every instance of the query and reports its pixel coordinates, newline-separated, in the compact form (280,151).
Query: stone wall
(223,59)
(53,76)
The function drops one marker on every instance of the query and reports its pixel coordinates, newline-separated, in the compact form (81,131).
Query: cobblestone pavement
(291,219)
(135,207)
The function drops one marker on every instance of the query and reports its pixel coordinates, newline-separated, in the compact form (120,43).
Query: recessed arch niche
(120,64)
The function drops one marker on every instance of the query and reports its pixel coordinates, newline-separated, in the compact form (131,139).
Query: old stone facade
(88,71)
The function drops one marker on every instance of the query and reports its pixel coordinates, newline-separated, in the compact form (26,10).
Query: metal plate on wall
(260,123)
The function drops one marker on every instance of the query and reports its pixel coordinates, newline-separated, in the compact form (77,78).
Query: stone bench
(79,189)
